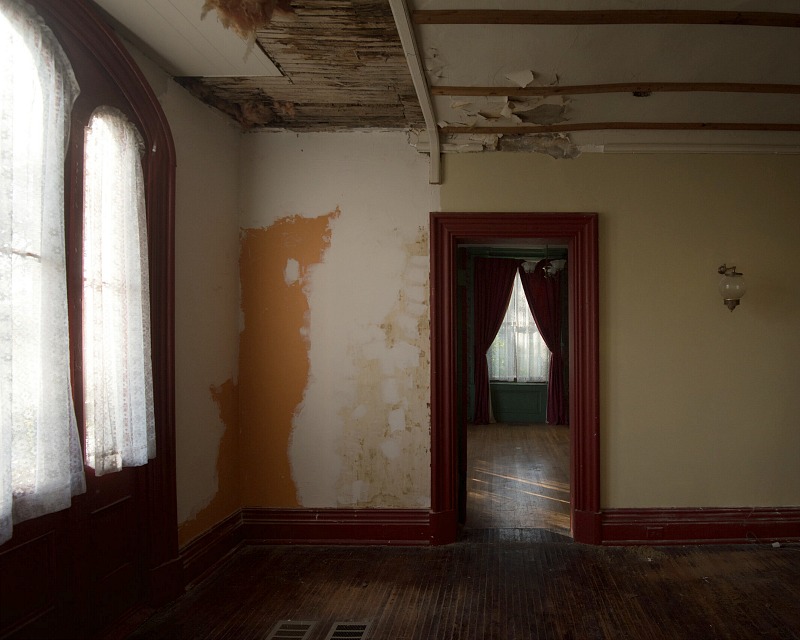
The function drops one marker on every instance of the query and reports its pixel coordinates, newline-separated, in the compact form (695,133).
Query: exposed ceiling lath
(553,80)
(343,65)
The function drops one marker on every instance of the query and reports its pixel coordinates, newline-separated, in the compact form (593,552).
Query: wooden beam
(621,87)
(405,30)
(600,126)
(549,17)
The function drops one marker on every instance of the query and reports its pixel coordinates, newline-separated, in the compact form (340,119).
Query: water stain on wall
(228,496)
(385,445)
(273,350)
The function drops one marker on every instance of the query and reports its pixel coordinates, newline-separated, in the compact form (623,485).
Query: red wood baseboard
(700,526)
(586,526)
(337,526)
(443,527)
(201,554)
(421,527)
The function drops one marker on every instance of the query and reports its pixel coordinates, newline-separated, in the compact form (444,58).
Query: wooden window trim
(82,32)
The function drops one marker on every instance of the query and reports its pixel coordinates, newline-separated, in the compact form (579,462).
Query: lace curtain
(118,373)
(518,352)
(40,456)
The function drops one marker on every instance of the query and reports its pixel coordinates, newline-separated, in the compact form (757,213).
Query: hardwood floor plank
(518,477)
(497,590)
(513,574)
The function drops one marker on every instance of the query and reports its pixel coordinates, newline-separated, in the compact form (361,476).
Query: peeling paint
(246,16)
(556,145)
(342,64)
(228,496)
(505,111)
(291,273)
(275,266)
(521,78)
(385,438)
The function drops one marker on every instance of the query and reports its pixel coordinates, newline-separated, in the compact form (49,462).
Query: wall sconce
(731,287)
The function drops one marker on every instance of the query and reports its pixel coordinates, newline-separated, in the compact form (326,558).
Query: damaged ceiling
(558,77)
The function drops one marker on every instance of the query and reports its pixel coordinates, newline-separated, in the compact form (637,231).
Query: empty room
(399,319)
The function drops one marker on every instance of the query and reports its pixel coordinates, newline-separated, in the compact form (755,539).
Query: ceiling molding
(617,126)
(550,17)
(749,149)
(619,87)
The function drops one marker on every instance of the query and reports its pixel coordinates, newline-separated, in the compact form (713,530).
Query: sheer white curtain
(40,457)
(518,352)
(118,373)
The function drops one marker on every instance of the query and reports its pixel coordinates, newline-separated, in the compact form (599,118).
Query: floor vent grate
(348,631)
(291,630)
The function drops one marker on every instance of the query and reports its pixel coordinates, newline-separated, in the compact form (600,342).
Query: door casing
(579,231)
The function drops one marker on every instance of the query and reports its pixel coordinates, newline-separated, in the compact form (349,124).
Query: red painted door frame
(579,232)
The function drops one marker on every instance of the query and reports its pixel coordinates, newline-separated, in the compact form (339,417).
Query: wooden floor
(514,574)
(518,477)
(496,584)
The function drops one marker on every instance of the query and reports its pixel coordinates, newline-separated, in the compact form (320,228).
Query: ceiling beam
(548,17)
(621,87)
(600,126)
(405,30)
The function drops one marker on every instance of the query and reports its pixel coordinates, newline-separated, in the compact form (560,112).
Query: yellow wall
(699,406)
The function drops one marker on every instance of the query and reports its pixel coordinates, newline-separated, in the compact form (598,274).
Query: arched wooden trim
(579,232)
(82,32)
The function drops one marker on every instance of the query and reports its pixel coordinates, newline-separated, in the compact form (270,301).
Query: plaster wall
(206,303)
(699,405)
(334,378)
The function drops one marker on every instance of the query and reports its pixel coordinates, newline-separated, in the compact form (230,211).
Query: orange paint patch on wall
(228,496)
(273,350)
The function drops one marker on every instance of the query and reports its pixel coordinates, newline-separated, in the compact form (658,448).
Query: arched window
(40,460)
(117,367)
(86,327)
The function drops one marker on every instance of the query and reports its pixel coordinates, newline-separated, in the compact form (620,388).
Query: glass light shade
(732,287)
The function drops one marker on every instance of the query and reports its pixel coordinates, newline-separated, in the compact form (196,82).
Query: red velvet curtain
(494,281)
(543,293)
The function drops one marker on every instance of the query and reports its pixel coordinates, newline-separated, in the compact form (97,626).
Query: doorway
(578,232)
(514,451)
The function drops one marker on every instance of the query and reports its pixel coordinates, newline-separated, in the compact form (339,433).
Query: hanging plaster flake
(492,111)
(521,78)
(470,142)
(476,121)
(544,114)
(472,147)
(461,104)
(433,63)
(556,145)
(555,100)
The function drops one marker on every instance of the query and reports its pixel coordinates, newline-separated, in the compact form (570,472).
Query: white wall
(360,436)
(206,284)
